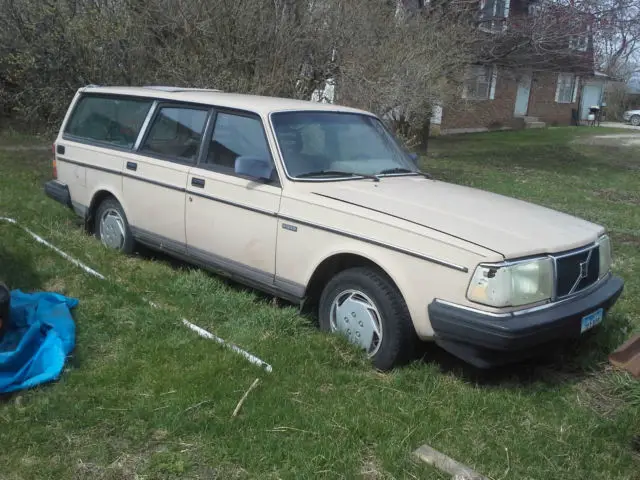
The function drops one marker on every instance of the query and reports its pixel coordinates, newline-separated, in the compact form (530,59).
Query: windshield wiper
(333,173)
(404,170)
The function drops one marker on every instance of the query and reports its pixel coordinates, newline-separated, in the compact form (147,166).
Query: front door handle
(132,166)
(197,182)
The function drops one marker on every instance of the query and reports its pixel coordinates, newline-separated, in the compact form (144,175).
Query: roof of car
(253,103)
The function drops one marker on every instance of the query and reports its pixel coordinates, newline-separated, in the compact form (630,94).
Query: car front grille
(576,271)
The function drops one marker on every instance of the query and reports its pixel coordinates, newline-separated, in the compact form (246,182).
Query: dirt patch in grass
(124,467)
(613,195)
(627,239)
(595,392)
(55,284)
(371,469)
(617,139)
(22,148)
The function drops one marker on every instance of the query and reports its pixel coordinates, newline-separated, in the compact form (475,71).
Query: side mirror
(255,167)
(414,157)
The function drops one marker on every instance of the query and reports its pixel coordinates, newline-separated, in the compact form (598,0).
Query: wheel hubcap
(112,231)
(356,316)
(635,121)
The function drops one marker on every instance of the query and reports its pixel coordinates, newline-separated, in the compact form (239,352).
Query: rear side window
(176,132)
(113,120)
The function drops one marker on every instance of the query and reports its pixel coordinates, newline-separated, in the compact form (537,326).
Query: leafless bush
(49,48)
(403,70)
(617,100)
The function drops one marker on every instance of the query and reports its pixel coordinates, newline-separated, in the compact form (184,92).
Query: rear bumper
(485,340)
(58,191)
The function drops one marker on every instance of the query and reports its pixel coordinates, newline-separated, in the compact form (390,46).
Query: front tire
(365,306)
(112,227)
(635,120)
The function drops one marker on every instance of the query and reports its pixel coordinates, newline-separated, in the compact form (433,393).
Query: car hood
(508,226)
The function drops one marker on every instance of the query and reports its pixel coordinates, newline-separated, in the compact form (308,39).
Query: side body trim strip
(336,231)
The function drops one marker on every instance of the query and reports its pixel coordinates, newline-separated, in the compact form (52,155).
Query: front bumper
(485,340)
(58,191)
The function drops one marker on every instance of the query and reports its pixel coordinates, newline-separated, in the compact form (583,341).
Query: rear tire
(359,301)
(111,226)
(635,120)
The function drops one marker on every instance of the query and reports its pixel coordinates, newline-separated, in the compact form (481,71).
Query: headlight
(605,254)
(512,285)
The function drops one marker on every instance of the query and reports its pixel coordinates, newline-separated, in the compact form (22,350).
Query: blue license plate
(591,320)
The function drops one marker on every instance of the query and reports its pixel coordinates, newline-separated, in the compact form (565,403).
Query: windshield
(332,144)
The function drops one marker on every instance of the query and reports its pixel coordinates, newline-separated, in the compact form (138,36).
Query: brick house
(518,83)
(526,87)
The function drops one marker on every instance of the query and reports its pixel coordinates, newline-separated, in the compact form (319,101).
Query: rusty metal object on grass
(627,356)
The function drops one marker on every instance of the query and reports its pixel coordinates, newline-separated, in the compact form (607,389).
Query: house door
(591,94)
(522,97)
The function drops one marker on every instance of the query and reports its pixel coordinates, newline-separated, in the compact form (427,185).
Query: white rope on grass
(251,358)
(64,255)
(206,334)
(203,333)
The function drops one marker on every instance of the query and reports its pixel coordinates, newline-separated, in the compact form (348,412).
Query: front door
(232,220)
(591,96)
(522,96)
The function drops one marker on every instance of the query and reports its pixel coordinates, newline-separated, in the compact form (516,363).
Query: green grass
(144,397)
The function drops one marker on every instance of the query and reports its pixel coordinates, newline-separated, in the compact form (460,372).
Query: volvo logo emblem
(584,269)
(583,274)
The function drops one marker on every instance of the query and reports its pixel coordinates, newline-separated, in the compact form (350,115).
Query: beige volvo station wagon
(320,205)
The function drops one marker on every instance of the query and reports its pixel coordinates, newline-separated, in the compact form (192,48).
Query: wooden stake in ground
(244,397)
(446,464)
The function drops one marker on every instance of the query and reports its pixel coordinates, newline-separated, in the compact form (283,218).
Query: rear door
(155,181)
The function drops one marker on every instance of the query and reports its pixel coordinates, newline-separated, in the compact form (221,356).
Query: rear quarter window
(113,120)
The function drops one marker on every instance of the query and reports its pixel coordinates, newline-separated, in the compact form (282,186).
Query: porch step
(528,119)
(534,124)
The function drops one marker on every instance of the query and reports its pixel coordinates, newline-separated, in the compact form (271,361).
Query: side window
(235,136)
(176,132)
(113,120)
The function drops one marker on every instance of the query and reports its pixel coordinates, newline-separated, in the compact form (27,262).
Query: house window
(493,14)
(580,41)
(566,89)
(480,83)
(535,9)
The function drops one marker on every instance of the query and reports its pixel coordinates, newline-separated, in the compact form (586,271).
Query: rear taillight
(53,162)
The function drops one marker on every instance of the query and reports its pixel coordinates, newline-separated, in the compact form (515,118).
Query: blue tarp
(38,337)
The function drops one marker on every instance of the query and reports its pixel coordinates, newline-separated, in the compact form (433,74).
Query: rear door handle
(132,166)
(197,182)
